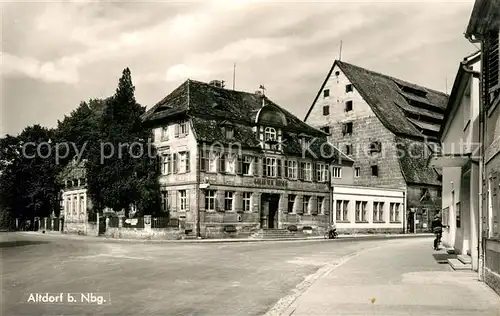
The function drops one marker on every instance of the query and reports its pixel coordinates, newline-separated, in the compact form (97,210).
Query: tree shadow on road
(19,243)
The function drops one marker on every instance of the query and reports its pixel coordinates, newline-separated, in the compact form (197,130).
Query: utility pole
(340,52)
(234,74)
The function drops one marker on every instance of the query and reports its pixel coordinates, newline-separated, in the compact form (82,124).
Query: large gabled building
(236,161)
(389,127)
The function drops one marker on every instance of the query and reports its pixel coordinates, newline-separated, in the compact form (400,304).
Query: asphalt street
(159,279)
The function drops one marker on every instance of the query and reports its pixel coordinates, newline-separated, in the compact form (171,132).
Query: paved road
(160,279)
(397,279)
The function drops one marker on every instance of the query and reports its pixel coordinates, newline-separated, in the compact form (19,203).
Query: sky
(57,54)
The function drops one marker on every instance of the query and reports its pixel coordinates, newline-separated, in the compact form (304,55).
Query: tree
(119,176)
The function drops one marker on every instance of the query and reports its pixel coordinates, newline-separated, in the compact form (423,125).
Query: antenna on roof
(340,52)
(234,74)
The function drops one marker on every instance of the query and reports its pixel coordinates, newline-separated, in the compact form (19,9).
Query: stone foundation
(492,279)
(140,233)
(89,229)
(382,230)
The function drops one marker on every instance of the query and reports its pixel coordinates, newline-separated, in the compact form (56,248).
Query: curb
(341,238)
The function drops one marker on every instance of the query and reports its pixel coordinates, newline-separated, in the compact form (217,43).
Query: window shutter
(174,198)
(174,163)
(187,199)
(326,205)
(298,205)
(219,201)
(176,130)
(255,166)
(286,168)
(239,165)
(238,201)
(279,173)
(255,202)
(188,168)
(313,205)
(222,163)
(264,167)
(203,160)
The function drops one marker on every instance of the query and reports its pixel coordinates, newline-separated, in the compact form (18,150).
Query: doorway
(270,205)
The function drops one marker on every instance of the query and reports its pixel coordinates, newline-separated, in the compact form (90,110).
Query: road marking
(286,306)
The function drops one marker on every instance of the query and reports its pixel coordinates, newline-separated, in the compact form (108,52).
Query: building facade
(483,28)
(234,161)
(459,160)
(74,202)
(389,128)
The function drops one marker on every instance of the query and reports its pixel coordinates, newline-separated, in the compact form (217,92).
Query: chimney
(217,83)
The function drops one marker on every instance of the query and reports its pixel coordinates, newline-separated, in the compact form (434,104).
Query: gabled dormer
(270,122)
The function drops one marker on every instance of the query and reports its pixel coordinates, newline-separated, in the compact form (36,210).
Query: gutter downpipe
(480,266)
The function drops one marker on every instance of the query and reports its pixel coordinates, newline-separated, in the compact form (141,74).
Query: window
(247,198)
(342,212)
(319,205)
(305,204)
(68,206)
(83,181)
(458,215)
(181,129)
(326,129)
(183,162)
(166,164)
(347,128)
(229,131)
(291,202)
(183,198)
(361,211)
(337,73)
(394,212)
(292,169)
(375,171)
(348,106)
(326,110)
(164,133)
(375,147)
(210,200)
(230,164)
(307,171)
(322,172)
(270,167)
(269,134)
(69,184)
(212,162)
(348,149)
(378,212)
(75,210)
(357,172)
(493,59)
(326,93)
(164,201)
(348,88)
(228,201)
(247,165)
(337,172)
(75,182)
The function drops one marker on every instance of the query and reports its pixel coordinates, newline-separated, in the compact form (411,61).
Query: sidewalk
(395,279)
(231,240)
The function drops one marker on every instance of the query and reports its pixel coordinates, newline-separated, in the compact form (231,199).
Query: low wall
(492,264)
(140,233)
(89,229)
(369,230)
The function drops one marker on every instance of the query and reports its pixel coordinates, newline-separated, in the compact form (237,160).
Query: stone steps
(465,259)
(459,265)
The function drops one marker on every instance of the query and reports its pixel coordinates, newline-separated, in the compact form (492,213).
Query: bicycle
(329,234)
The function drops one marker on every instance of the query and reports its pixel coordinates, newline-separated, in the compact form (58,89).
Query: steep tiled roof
(394,101)
(210,108)
(413,156)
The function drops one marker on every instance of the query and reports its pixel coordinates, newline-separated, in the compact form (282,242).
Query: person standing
(437,229)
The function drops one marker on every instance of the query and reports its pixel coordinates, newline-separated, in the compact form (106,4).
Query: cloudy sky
(56,54)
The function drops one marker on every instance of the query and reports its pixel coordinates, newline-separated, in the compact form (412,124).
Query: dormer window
(229,132)
(269,134)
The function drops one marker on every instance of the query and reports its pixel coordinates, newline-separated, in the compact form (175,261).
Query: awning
(449,160)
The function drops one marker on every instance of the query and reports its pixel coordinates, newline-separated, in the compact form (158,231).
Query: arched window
(269,134)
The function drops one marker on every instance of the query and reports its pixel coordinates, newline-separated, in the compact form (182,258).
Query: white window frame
(229,196)
(247,201)
(183,128)
(292,169)
(183,200)
(337,172)
(247,160)
(182,161)
(166,164)
(342,212)
(270,134)
(210,197)
(308,171)
(322,172)
(291,199)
